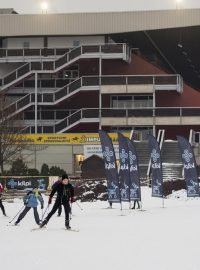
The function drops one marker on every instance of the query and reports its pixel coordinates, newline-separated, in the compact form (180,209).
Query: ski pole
(17,214)
(44,212)
(79,205)
(71,209)
(70,212)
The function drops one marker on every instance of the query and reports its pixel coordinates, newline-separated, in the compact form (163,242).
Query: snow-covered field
(157,238)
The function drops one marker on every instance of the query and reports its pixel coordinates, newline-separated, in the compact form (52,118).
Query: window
(124,102)
(121,101)
(71,73)
(136,101)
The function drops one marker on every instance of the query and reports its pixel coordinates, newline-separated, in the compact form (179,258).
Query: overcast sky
(70,6)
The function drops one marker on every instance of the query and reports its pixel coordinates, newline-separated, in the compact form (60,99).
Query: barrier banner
(135,189)
(190,169)
(124,172)
(156,167)
(26,183)
(110,167)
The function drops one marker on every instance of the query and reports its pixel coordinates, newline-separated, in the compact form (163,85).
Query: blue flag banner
(135,190)
(124,168)
(189,164)
(110,167)
(156,167)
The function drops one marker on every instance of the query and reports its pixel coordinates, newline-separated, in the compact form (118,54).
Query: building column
(36,105)
(100,99)
(154,106)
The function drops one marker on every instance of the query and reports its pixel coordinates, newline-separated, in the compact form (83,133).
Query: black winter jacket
(64,192)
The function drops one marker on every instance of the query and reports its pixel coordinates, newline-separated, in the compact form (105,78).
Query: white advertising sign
(90,150)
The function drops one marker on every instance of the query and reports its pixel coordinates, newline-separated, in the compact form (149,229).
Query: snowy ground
(157,238)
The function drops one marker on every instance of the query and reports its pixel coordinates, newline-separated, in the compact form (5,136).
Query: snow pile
(91,191)
(180,194)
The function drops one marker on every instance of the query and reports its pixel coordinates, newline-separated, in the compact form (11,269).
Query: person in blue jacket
(31,201)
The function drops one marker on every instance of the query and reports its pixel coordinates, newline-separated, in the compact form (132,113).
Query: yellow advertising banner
(70,138)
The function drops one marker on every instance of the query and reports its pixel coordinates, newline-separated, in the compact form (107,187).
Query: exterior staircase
(143,157)
(171,161)
(85,83)
(105,51)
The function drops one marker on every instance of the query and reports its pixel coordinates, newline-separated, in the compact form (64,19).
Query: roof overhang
(96,23)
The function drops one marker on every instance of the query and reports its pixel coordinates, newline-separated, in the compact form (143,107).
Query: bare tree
(12,138)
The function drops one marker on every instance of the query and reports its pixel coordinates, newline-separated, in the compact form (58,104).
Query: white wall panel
(68,41)
(19,42)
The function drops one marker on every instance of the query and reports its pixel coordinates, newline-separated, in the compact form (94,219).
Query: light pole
(44,6)
(178,4)
(36,101)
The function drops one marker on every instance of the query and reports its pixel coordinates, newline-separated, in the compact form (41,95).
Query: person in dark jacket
(1,204)
(65,193)
(54,185)
(31,201)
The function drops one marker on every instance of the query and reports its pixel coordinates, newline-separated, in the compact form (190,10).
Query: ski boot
(43,223)
(39,222)
(67,226)
(17,222)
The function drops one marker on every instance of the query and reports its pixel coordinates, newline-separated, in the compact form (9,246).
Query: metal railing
(192,137)
(54,66)
(89,113)
(89,81)
(33,52)
(151,112)
(94,113)
(75,117)
(44,52)
(43,83)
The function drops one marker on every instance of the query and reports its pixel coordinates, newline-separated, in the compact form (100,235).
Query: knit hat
(65,176)
(35,185)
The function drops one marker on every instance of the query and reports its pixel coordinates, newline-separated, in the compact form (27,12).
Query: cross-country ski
(72,230)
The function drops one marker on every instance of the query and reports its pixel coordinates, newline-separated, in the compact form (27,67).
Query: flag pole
(141,205)
(163,202)
(120,197)
(121,209)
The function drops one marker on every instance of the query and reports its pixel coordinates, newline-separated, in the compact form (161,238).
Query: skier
(31,201)
(1,204)
(54,185)
(65,193)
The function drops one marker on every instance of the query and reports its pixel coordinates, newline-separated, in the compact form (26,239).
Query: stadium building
(117,71)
